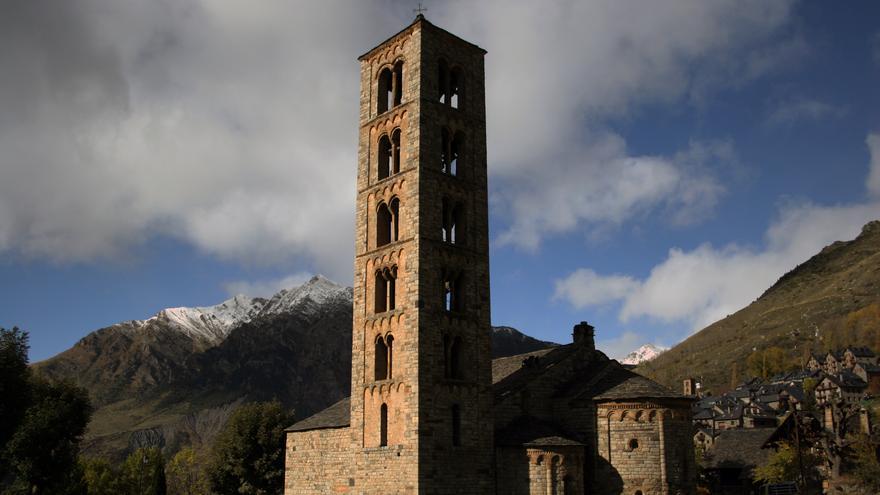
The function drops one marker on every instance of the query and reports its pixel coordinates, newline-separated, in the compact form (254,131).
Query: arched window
(387,222)
(397,89)
(383,425)
(453,222)
(384,225)
(456,425)
(385,94)
(554,476)
(381,359)
(452,357)
(388,155)
(449,84)
(443,81)
(452,293)
(452,152)
(455,83)
(455,359)
(386,280)
(389,341)
(390,91)
(395,151)
(456,152)
(385,163)
(384,357)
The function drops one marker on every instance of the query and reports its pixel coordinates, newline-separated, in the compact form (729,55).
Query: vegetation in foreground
(42,423)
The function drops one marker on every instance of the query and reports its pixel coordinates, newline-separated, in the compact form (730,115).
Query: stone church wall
(318,461)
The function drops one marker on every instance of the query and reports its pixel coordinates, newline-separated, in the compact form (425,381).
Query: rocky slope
(809,308)
(173,378)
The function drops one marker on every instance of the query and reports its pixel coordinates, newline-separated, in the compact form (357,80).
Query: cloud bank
(232,126)
(703,285)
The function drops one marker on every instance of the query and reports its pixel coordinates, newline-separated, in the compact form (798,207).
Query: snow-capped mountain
(644,353)
(212,324)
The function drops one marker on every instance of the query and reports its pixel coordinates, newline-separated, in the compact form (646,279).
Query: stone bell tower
(421,394)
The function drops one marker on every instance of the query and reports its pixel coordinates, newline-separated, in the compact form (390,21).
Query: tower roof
(419,19)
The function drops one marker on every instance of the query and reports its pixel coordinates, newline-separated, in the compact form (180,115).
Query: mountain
(829,301)
(508,341)
(174,378)
(644,353)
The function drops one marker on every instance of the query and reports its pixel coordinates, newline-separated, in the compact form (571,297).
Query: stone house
(858,355)
(870,374)
(429,412)
(845,385)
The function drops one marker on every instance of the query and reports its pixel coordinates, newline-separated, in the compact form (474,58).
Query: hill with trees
(830,301)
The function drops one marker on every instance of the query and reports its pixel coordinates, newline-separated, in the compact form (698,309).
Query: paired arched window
(452,292)
(452,228)
(456,425)
(390,87)
(389,155)
(450,84)
(386,280)
(451,152)
(383,425)
(387,222)
(384,357)
(452,357)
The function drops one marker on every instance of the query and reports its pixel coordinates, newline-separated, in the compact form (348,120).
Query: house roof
(861,351)
(739,448)
(847,379)
(504,367)
(336,416)
(868,367)
(618,383)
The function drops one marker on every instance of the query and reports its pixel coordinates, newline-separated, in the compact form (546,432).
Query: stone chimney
(583,335)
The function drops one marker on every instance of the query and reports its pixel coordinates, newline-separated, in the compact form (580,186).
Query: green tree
(248,454)
(100,477)
(185,474)
(43,451)
(143,472)
(764,363)
(783,465)
(866,463)
(14,383)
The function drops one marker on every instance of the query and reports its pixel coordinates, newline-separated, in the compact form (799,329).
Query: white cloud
(703,285)
(601,184)
(266,288)
(584,287)
(791,111)
(231,126)
(873,142)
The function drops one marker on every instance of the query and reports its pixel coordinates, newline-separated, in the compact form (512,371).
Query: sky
(653,166)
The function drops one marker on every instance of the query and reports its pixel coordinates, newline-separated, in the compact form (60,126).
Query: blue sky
(653,166)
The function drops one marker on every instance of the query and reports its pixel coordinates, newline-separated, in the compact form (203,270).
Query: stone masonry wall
(318,461)
(644,446)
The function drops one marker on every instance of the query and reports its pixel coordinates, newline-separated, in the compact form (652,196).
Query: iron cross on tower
(420,10)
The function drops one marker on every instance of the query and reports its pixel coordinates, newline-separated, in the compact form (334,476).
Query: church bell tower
(421,398)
